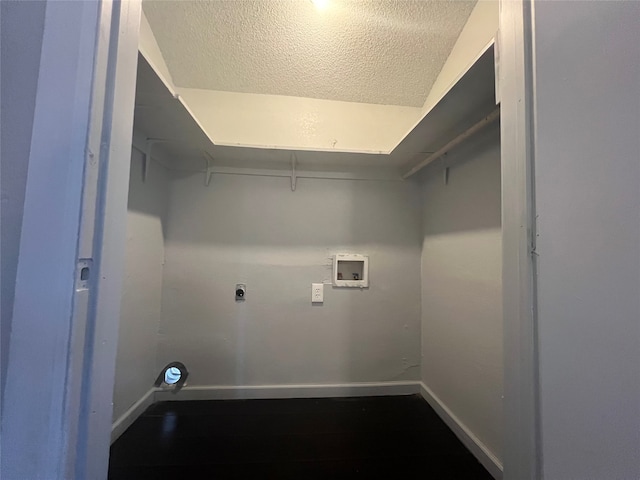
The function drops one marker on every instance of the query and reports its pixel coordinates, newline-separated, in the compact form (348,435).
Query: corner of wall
(141,307)
(125,420)
(482,453)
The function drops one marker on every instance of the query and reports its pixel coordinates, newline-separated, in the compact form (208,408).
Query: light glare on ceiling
(320,4)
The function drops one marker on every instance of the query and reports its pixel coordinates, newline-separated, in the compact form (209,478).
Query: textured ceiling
(369,51)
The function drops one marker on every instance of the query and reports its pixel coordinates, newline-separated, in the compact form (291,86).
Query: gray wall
(20,45)
(142,288)
(462,286)
(587,184)
(255,230)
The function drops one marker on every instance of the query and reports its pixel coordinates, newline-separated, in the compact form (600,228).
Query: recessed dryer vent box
(350,270)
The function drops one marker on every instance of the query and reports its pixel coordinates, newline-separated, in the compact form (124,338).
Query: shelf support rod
(147,155)
(492,117)
(147,158)
(294,178)
(209,173)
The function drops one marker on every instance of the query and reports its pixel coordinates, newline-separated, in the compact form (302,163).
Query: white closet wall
(462,362)
(434,256)
(255,230)
(141,297)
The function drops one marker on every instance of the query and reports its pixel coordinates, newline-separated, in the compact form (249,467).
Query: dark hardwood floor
(365,437)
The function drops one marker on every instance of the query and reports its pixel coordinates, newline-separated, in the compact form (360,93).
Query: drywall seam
(245,392)
(466,436)
(130,416)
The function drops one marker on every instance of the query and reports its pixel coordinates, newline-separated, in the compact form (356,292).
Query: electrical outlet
(317,292)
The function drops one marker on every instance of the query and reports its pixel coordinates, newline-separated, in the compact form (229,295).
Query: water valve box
(351,270)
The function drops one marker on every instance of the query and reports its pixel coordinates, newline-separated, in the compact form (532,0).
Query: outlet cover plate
(317,293)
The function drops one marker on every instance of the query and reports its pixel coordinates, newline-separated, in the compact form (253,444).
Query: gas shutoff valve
(241,291)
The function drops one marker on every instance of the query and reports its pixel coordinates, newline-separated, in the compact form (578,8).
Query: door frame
(74,323)
(57,402)
(521,439)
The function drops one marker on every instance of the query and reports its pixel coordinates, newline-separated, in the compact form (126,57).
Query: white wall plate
(350,270)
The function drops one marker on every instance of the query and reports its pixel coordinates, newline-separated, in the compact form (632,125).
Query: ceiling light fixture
(321,4)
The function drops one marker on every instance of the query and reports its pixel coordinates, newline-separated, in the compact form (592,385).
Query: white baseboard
(128,417)
(466,436)
(246,392)
(289,391)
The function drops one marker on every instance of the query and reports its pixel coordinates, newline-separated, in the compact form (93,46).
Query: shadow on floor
(365,437)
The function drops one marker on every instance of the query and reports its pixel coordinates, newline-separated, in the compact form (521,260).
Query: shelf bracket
(209,172)
(294,179)
(445,169)
(147,156)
